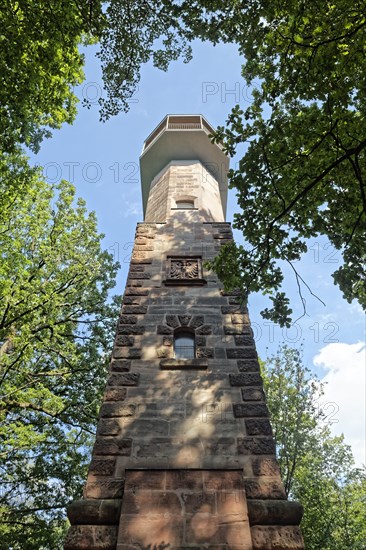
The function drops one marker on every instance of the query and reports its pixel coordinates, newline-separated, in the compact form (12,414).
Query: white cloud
(345,392)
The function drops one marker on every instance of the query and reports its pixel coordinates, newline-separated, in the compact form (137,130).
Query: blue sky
(101,159)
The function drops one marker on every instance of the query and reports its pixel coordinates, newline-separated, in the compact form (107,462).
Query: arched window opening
(184,345)
(185,204)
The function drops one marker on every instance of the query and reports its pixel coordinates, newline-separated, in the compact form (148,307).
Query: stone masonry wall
(164,419)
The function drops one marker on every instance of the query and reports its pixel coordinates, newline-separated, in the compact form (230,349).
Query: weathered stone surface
(184,320)
(244,340)
(108,426)
(131,329)
(204,352)
(195,502)
(240,319)
(126,353)
(102,467)
(223,481)
(146,503)
(104,488)
(260,488)
(164,329)
(265,466)
(139,275)
(94,512)
(246,379)
(266,537)
(252,394)
(258,426)
(110,410)
(220,446)
(185,479)
(172,321)
(241,353)
(90,537)
(124,379)
(160,531)
(248,365)
(274,512)
(168,341)
(197,321)
(141,480)
(134,310)
(131,282)
(204,329)
(132,300)
(220,353)
(238,329)
(163,352)
(120,365)
(200,341)
(112,446)
(243,410)
(123,340)
(183,364)
(127,320)
(136,292)
(230,309)
(234,292)
(115,393)
(143,248)
(256,446)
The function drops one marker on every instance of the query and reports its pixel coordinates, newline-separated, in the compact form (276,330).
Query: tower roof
(182,137)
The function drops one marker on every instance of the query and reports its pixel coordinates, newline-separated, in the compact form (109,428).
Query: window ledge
(183,364)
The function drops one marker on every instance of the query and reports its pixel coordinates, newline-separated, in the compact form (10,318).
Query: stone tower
(184,456)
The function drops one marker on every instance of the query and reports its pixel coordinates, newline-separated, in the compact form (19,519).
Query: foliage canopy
(317,469)
(56,329)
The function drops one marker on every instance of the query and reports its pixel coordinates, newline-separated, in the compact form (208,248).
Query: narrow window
(185,205)
(184,347)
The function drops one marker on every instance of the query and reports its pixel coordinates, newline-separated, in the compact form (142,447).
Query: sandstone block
(274,512)
(102,467)
(123,340)
(109,488)
(245,379)
(94,512)
(260,488)
(258,426)
(256,446)
(124,379)
(118,409)
(248,365)
(265,466)
(127,320)
(241,353)
(276,538)
(112,446)
(244,340)
(252,394)
(120,365)
(90,537)
(134,310)
(244,410)
(172,321)
(129,353)
(115,394)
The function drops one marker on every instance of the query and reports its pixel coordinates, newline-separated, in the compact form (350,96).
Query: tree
(317,469)
(56,328)
(303,174)
(40,64)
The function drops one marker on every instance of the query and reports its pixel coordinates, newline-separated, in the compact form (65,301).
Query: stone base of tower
(181,510)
